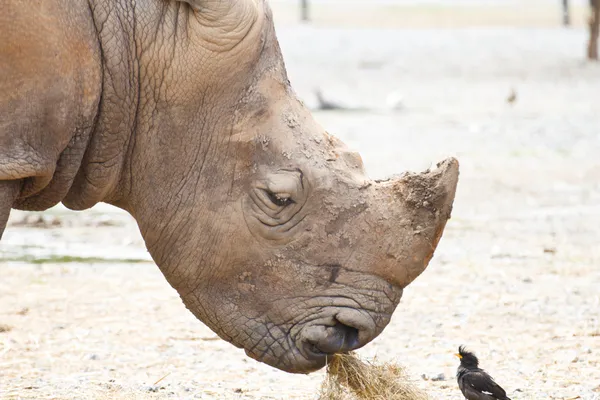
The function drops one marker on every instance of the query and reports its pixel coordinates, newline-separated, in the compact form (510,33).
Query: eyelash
(280,201)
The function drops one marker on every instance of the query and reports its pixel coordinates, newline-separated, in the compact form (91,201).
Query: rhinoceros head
(265,224)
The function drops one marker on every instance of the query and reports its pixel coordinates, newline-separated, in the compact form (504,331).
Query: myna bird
(512,97)
(475,383)
(324,104)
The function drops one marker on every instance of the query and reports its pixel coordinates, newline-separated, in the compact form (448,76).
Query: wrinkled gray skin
(181,113)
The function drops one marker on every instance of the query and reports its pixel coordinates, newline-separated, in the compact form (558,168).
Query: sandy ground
(84,314)
(428,13)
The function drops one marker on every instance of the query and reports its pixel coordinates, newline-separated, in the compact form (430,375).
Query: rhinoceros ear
(234,14)
(202,5)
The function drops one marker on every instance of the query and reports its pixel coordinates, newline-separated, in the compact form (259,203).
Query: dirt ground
(85,314)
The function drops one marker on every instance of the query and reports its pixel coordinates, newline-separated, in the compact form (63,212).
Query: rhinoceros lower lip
(312,353)
(316,357)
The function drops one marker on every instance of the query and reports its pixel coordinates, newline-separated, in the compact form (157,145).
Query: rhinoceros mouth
(344,310)
(309,345)
(330,340)
(308,355)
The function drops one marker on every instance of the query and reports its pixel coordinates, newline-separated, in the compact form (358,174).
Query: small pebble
(23,311)
(439,377)
(436,378)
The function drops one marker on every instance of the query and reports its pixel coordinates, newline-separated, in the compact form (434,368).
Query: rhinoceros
(181,113)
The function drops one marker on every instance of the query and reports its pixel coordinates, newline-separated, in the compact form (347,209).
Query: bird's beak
(459,356)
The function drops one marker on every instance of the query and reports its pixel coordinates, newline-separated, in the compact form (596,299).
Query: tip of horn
(433,189)
(445,177)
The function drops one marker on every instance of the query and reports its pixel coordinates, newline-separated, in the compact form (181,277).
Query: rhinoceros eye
(276,204)
(279,199)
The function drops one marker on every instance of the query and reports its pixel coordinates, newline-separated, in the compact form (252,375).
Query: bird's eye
(278,199)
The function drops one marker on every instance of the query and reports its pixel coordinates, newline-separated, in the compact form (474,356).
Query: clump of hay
(350,378)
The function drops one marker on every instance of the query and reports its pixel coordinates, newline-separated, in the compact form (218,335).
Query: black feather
(474,382)
(468,359)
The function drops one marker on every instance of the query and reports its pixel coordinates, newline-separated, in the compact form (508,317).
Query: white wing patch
(482,391)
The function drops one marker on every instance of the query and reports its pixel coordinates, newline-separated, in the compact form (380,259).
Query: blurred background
(506,86)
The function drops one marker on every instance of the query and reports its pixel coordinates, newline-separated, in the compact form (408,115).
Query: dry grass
(348,377)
